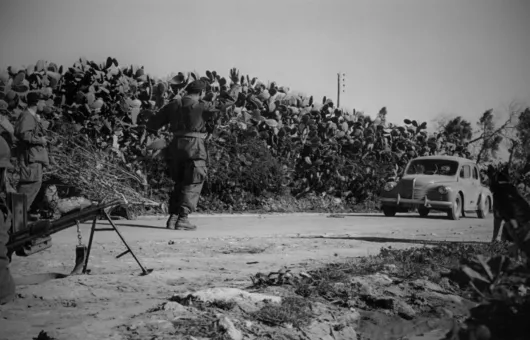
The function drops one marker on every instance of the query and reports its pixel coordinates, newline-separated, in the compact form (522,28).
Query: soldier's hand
(44,141)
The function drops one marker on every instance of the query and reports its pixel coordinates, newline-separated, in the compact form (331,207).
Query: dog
(509,207)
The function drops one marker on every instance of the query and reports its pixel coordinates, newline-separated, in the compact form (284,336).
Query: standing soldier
(187,117)
(7,285)
(31,150)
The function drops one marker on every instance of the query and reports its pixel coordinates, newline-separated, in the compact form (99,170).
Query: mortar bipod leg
(92,230)
(129,250)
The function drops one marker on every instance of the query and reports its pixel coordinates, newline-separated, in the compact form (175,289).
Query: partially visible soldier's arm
(209,115)
(210,111)
(30,139)
(25,131)
(161,118)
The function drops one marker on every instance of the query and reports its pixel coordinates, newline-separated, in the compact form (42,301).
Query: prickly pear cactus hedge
(269,142)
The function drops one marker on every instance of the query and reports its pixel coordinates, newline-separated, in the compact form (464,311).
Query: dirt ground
(223,252)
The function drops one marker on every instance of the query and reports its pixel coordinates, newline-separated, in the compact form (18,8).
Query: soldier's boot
(172,221)
(183,222)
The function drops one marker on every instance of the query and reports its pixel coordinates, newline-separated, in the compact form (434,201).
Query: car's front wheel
(389,211)
(423,211)
(455,212)
(485,208)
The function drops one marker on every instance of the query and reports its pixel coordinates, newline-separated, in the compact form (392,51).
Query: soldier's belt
(190,134)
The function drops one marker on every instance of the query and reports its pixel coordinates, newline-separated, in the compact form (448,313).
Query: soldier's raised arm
(210,112)
(161,118)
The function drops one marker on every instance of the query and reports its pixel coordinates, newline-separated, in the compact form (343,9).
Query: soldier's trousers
(188,177)
(30,181)
(7,285)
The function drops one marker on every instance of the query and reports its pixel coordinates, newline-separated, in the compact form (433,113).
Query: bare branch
(499,130)
(512,151)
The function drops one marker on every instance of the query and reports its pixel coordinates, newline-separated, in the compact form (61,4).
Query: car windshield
(432,167)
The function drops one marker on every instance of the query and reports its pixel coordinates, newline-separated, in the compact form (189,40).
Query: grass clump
(333,282)
(223,304)
(204,326)
(292,310)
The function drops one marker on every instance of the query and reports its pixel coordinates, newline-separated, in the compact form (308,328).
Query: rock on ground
(231,294)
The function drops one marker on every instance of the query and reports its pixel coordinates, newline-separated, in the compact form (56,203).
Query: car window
(475,173)
(465,172)
(432,167)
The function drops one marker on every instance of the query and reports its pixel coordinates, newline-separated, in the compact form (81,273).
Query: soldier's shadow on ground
(390,240)
(133,225)
(429,217)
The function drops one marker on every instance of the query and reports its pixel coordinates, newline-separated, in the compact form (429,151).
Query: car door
(475,187)
(466,184)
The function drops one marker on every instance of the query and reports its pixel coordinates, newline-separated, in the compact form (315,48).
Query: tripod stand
(113,228)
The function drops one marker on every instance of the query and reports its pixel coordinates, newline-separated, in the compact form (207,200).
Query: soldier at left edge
(32,153)
(7,284)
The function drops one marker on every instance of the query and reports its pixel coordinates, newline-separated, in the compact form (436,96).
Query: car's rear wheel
(485,208)
(389,211)
(456,211)
(423,211)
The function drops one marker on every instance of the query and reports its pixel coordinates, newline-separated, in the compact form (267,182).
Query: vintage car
(443,183)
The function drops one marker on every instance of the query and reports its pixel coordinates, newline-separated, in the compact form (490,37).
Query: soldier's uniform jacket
(29,132)
(5,224)
(7,285)
(187,119)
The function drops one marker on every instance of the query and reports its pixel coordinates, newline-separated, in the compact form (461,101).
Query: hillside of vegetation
(272,150)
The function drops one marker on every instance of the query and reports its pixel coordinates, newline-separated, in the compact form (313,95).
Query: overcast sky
(419,58)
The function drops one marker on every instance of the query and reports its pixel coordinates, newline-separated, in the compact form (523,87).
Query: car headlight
(443,190)
(389,186)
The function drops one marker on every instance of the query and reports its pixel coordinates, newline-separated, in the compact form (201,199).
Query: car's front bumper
(398,201)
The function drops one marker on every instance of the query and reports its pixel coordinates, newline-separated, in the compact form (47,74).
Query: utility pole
(341,79)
